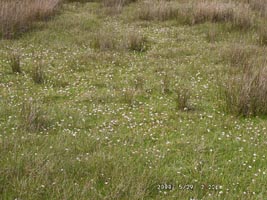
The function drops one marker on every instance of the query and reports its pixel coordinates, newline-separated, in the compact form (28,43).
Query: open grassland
(110,99)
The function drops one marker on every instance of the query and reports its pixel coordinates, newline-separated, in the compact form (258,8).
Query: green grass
(108,125)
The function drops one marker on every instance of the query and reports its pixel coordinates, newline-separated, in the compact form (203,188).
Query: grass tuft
(183,96)
(246,94)
(38,74)
(129,95)
(104,40)
(243,18)
(136,42)
(239,55)
(211,34)
(33,117)
(263,34)
(15,63)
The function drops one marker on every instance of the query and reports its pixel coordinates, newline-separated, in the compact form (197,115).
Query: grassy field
(136,100)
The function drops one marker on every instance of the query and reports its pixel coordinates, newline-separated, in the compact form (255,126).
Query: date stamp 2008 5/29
(188,187)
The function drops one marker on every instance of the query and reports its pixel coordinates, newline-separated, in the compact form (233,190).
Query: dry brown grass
(212,11)
(260,6)
(239,15)
(239,55)
(135,41)
(243,17)
(17,16)
(246,93)
(262,32)
(33,117)
(245,89)
(115,3)
(115,6)
(104,40)
(157,10)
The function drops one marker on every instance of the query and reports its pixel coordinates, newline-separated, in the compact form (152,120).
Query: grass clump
(260,6)
(157,10)
(136,42)
(238,15)
(211,34)
(38,74)
(33,117)
(243,18)
(18,16)
(104,40)
(15,63)
(183,97)
(239,55)
(129,95)
(246,94)
(139,82)
(212,12)
(263,34)
(165,83)
(245,89)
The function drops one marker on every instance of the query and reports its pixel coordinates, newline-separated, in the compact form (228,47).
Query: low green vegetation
(136,100)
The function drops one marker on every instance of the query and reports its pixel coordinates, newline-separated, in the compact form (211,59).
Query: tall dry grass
(246,93)
(260,6)
(115,6)
(157,10)
(115,3)
(212,11)
(17,16)
(237,14)
(245,89)
(262,32)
